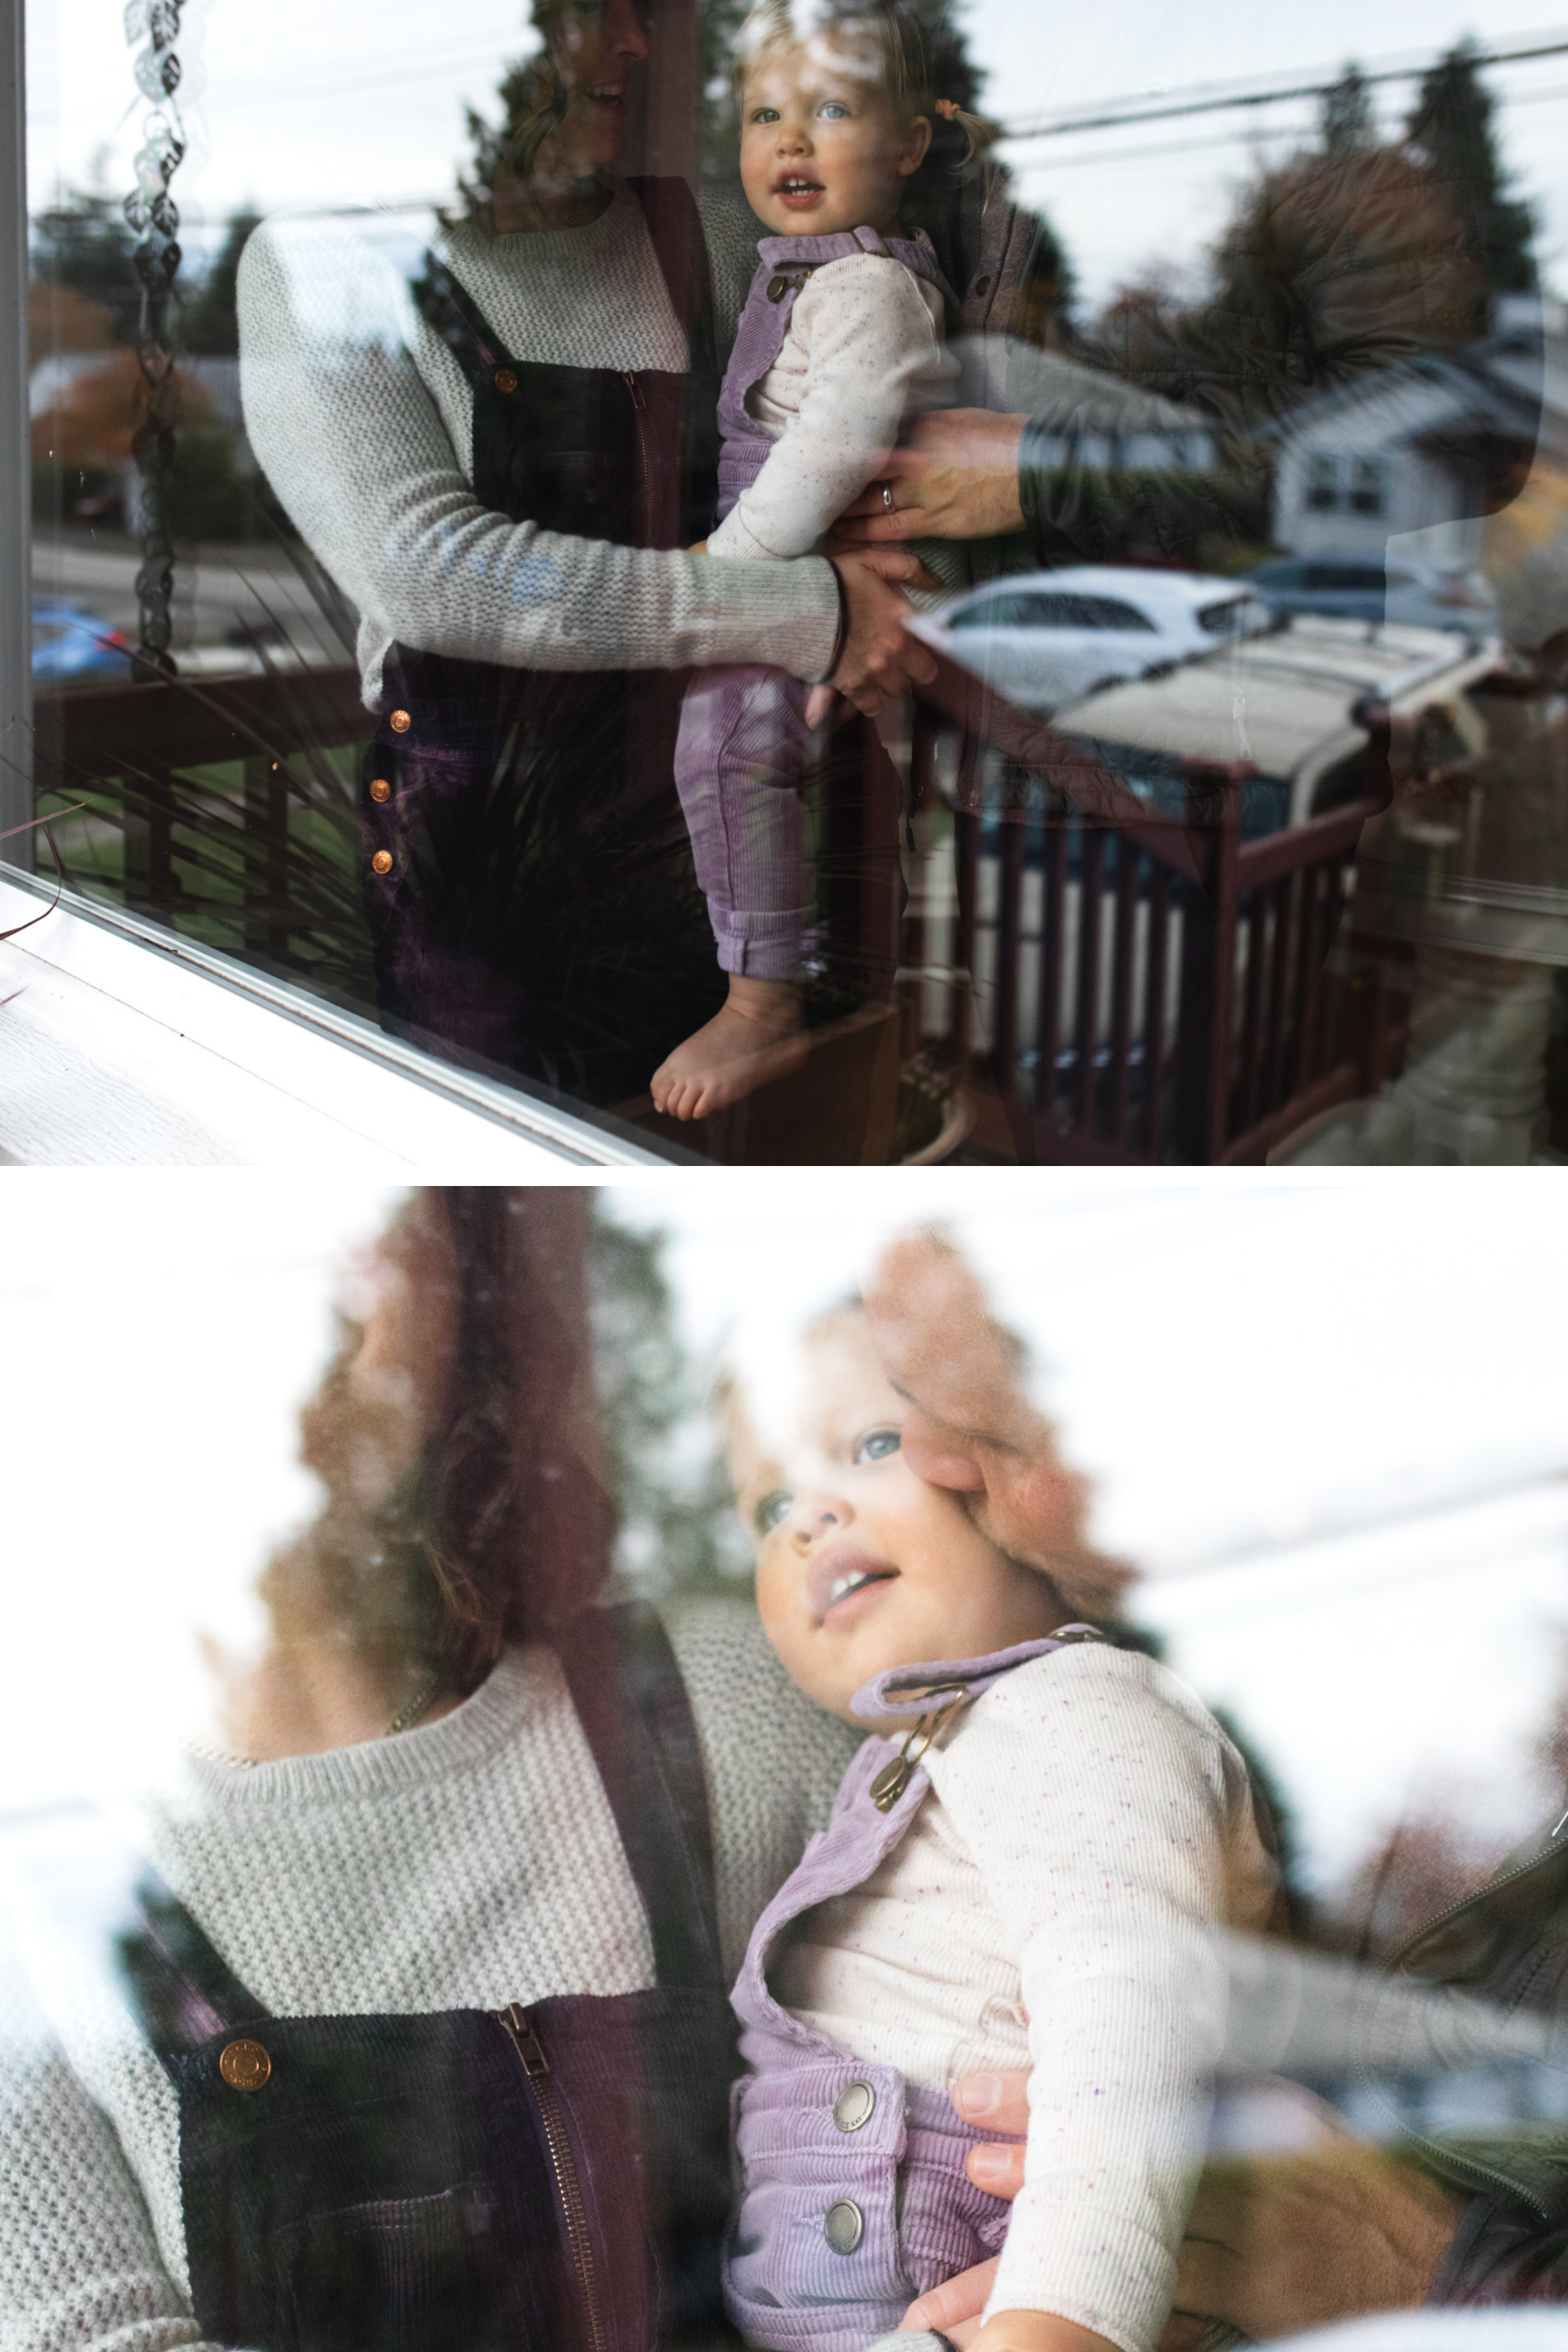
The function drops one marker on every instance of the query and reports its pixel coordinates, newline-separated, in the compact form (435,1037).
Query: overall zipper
(640,405)
(520,2031)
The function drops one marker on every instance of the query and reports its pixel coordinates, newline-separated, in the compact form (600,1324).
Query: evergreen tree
(1348,126)
(1451,132)
(676,1528)
(209,322)
(85,243)
(931,199)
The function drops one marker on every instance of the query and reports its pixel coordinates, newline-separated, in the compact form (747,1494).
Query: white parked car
(1047,638)
(1283,707)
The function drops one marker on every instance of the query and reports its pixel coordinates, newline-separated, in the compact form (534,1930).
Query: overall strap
(453,314)
(98,1905)
(632,1703)
(180,1987)
(681,248)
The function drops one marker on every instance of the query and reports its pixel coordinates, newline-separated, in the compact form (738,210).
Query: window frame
(252,1022)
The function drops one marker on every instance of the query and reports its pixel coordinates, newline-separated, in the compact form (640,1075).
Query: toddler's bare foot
(755,1037)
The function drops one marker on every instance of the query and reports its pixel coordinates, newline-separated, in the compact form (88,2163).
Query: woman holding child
(403,2023)
(506,477)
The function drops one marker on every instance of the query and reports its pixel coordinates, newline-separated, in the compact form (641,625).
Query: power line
(1221,100)
(1346,1528)
(1218,139)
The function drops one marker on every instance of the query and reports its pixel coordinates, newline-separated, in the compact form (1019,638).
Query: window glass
(432,486)
(337,1819)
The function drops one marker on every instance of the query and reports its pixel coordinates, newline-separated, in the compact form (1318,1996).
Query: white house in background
(1093,419)
(1414,448)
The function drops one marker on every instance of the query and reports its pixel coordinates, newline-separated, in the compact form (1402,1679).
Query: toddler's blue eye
(766,114)
(832,113)
(877,1444)
(772,1511)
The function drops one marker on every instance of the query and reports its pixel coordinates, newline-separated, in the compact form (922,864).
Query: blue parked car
(69,644)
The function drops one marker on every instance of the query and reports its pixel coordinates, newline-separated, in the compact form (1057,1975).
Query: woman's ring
(888,497)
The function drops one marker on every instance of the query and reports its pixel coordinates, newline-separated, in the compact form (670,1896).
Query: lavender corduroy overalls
(854,2199)
(743,742)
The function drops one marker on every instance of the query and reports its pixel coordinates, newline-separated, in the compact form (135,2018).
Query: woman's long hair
(464,1509)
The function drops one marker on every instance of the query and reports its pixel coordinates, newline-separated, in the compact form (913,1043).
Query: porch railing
(1140,987)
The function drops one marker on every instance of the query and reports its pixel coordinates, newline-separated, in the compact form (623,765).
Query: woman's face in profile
(596,46)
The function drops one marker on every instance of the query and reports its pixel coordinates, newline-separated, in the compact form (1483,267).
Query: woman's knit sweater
(361,419)
(466,1864)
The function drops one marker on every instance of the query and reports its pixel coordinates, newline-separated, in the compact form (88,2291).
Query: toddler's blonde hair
(889,29)
(1088,1583)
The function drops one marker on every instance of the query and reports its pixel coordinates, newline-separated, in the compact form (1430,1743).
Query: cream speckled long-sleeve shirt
(1058,1905)
(863,350)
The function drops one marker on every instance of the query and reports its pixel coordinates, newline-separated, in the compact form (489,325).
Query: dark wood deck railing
(1144,985)
(1173,1012)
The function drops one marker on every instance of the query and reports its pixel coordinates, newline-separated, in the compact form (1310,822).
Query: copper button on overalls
(244,2065)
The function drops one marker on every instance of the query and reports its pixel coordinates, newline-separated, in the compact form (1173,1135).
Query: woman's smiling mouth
(840,1578)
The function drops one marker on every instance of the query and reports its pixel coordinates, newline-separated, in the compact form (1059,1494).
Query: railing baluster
(1128,862)
(966,871)
(1009,927)
(1256,929)
(1053,938)
(1091,894)
(266,855)
(1305,965)
(1283,893)
(1154,1009)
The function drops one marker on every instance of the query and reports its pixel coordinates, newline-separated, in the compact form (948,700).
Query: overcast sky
(297,102)
(1239,1366)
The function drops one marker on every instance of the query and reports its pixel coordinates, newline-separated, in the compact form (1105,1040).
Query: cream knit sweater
(468,1863)
(363,421)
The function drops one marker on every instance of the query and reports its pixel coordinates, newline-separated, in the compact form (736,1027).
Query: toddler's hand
(1036,2331)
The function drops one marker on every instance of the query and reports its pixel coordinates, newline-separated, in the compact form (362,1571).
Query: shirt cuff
(1036,458)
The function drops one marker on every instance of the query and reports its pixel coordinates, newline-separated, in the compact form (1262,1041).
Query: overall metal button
(844,2226)
(401,723)
(381,790)
(382,862)
(778,287)
(853,2106)
(506,380)
(244,2065)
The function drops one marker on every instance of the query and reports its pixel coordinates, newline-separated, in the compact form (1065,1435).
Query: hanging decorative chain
(151,211)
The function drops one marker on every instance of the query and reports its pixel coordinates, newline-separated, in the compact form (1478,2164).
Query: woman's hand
(956,477)
(972,1425)
(1273,2245)
(1276,2244)
(878,659)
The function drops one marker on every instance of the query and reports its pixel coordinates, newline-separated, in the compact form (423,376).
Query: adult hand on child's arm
(878,658)
(955,476)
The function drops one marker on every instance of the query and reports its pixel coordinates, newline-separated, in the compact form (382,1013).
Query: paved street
(216,592)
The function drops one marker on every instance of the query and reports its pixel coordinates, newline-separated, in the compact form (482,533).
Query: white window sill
(122,1046)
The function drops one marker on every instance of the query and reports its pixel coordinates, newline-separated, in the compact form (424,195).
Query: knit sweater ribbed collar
(516,1690)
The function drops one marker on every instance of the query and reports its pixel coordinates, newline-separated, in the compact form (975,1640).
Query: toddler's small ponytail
(981,135)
